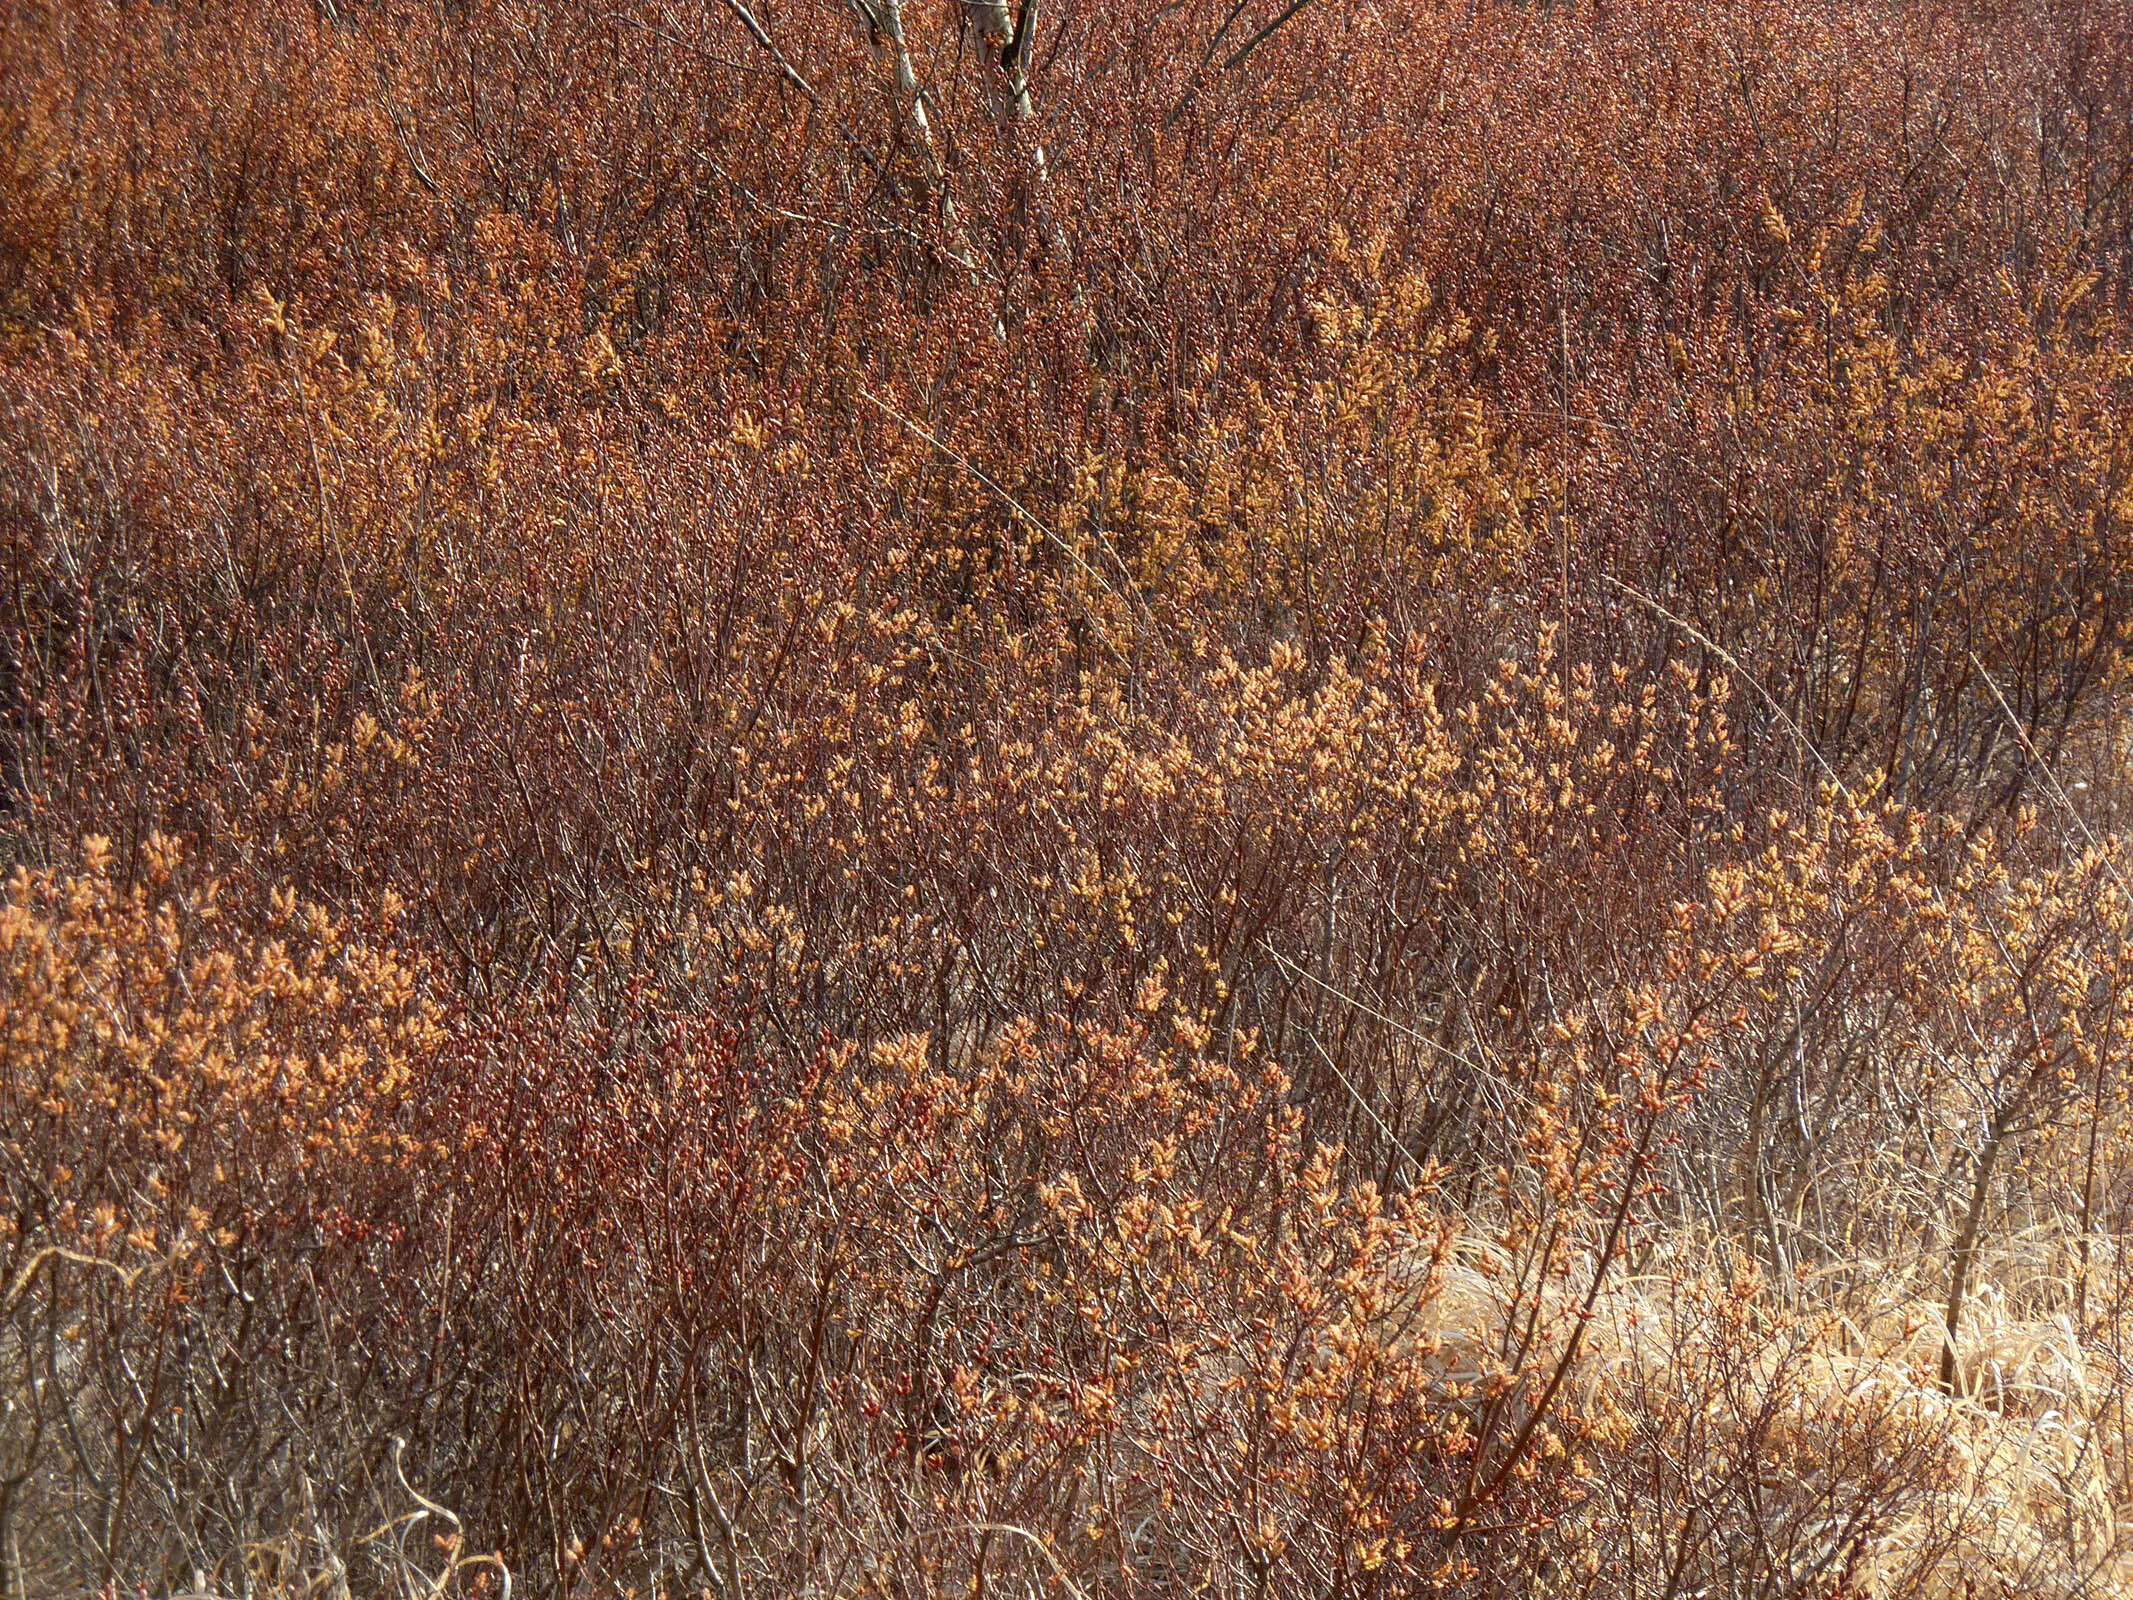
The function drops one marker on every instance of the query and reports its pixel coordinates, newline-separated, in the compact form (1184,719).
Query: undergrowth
(915,798)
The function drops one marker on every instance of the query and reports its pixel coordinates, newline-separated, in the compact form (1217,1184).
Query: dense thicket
(921,797)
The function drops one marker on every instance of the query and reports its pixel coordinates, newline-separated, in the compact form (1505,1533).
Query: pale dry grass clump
(1754,1436)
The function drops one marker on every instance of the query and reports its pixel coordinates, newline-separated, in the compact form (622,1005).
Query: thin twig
(1745,675)
(1245,50)
(2050,777)
(1019,510)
